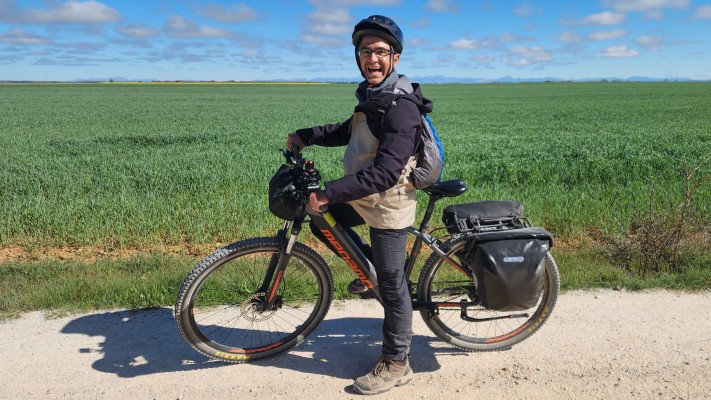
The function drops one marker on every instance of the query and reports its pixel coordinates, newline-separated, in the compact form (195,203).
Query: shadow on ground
(143,342)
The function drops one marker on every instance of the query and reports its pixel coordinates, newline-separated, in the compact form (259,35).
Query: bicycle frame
(355,259)
(445,292)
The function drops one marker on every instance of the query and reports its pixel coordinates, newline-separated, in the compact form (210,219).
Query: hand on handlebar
(294,143)
(318,200)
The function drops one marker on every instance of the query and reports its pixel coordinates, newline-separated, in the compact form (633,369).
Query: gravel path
(596,345)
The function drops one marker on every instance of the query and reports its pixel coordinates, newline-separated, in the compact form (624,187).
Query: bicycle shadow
(147,341)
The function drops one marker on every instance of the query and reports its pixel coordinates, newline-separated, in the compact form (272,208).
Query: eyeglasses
(379,52)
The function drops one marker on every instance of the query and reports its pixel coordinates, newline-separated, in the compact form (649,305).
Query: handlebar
(307,178)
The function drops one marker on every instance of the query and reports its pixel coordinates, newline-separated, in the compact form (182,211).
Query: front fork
(277,265)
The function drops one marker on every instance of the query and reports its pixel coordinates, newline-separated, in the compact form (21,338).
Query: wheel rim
(224,310)
(448,285)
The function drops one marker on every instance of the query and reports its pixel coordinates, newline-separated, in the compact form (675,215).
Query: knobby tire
(441,282)
(218,307)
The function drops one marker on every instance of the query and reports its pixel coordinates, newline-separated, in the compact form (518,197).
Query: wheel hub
(252,308)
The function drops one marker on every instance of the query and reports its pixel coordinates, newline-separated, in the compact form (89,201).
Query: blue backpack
(430,163)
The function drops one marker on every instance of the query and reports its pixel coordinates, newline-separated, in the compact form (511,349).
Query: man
(382,136)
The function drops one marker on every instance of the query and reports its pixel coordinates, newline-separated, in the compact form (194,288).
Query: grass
(153,280)
(135,165)
(143,166)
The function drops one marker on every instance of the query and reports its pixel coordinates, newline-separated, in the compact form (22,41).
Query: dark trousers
(387,252)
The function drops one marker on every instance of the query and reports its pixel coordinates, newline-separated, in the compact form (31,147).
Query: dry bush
(653,241)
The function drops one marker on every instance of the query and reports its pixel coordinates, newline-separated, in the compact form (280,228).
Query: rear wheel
(220,309)
(490,330)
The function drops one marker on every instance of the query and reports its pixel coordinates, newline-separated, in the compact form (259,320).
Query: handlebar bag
(509,267)
(281,200)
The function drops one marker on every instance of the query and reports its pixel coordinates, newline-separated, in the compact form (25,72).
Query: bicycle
(260,297)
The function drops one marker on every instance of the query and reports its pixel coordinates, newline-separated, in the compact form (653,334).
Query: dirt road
(596,345)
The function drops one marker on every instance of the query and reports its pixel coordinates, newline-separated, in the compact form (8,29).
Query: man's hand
(294,140)
(318,199)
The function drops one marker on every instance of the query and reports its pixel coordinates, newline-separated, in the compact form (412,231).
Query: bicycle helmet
(378,25)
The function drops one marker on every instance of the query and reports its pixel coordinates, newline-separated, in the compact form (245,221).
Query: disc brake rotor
(251,308)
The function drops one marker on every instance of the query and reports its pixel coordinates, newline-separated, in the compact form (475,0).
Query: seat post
(428,212)
(410,264)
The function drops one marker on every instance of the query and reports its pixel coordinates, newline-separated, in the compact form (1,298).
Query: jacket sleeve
(331,135)
(397,139)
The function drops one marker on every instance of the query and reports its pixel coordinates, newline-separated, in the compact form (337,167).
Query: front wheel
(220,307)
(483,330)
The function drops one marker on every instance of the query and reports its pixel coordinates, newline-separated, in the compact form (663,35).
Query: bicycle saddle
(450,188)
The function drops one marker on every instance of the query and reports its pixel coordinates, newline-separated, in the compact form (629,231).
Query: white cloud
(484,59)
(522,56)
(444,59)
(177,26)
(72,12)
(323,41)
(703,12)
(490,42)
(464,44)
(20,37)
(651,43)
(340,16)
(527,10)
(646,5)
(651,8)
(619,51)
(570,37)
(138,31)
(607,35)
(328,27)
(535,53)
(353,3)
(510,37)
(417,42)
(237,13)
(604,18)
(441,6)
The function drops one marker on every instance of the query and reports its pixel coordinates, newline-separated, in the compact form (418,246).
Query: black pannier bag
(482,216)
(281,202)
(509,266)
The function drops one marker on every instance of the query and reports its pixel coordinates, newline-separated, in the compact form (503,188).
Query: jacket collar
(366,91)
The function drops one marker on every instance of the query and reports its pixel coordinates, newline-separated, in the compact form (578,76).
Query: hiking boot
(386,375)
(357,287)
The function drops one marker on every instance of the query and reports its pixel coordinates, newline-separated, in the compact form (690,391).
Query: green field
(145,165)
(134,165)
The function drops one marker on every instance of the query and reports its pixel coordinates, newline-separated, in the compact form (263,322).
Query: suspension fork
(278,262)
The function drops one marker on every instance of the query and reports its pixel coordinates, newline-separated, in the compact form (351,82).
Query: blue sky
(290,39)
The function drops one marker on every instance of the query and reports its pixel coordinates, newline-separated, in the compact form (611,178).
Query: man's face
(374,68)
